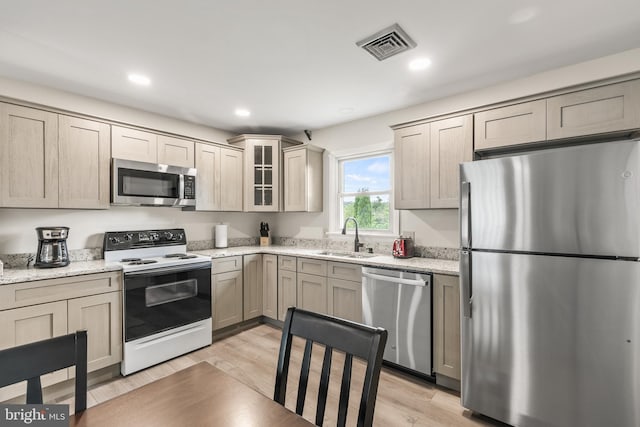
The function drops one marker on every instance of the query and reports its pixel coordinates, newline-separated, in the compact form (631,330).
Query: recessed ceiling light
(139,79)
(419,64)
(242,112)
(523,15)
(347,110)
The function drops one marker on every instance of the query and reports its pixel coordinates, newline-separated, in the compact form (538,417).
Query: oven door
(160,299)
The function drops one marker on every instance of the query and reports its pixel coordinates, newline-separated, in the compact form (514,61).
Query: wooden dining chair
(353,339)
(30,361)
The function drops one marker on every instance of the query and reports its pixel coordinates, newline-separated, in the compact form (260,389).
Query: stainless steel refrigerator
(550,286)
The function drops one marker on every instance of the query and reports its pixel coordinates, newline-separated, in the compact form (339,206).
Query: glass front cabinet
(263,170)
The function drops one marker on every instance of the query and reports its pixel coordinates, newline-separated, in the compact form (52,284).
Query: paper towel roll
(221,235)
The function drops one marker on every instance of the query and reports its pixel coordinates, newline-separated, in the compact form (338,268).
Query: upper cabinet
(219,178)
(302,166)
(262,170)
(142,146)
(426,162)
(50,160)
(613,108)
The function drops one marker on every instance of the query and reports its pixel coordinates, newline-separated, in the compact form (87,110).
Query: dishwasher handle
(416,282)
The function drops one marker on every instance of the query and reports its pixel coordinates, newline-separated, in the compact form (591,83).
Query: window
(364,192)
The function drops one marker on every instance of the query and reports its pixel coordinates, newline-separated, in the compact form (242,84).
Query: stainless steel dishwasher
(400,302)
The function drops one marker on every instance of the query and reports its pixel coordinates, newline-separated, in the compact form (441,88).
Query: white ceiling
(294,63)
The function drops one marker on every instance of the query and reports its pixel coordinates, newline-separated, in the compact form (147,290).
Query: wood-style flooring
(251,356)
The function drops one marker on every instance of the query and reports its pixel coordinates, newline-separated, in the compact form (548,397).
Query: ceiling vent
(388,42)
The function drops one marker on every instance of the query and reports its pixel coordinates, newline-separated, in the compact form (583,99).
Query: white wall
(440,227)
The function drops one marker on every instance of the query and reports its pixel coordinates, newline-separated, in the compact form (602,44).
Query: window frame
(336,220)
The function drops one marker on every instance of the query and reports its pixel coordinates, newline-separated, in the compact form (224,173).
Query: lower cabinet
(226,291)
(287,285)
(270,286)
(312,293)
(446,325)
(345,299)
(252,286)
(92,302)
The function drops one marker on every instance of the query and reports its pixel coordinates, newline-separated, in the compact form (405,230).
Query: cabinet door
(231,178)
(175,151)
(29,324)
(252,286)
(345,299)
(287,292)
(295,180)
(263,167)
(510,125)
(312,293)
(411,167)
(132,144)
(446,325)
(270,286)
(227,299)
(451,144)
(84,158)
(28,157)
(208,177)
(101,316)
(609,108)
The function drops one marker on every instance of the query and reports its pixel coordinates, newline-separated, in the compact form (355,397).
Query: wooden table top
(201,395)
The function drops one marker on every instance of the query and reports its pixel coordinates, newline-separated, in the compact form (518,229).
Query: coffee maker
(52,247)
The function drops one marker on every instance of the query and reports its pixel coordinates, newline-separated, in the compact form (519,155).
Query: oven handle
(169,270)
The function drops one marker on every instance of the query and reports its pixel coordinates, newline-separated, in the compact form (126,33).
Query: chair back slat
(30,361)
(324,385)
(304,377)
(353,339)
(345,387)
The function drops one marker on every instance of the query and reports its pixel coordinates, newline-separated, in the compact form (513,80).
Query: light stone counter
(76,268)
(432,265)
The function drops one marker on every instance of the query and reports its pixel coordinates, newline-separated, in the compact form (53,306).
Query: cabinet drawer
(510,125)
(345,271)
(602,109)
(287,263)
(223,265)
(42,291)
(312,266)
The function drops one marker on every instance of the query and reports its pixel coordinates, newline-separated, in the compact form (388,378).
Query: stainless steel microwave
(150,184)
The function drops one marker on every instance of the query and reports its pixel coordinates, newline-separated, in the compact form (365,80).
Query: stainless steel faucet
(356,243)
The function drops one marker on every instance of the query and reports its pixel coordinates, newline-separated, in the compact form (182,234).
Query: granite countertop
(77,268)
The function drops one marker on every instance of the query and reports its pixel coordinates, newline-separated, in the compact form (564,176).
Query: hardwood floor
(250,357)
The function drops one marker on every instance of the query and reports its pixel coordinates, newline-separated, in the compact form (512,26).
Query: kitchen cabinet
(451,144)
(609,108)
(287,285)
(446,325)
(302,179)
(49,160)
(426,162)
(262,169)
(312,292)
(252,286)
(219,178)
(134,144)
(37,310)
(227,298)
(510,125)
(101,316)
(270,286)
(344,290)
(176,151)
(84,162)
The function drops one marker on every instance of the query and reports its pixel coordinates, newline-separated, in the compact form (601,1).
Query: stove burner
(175,255)
(130,259)
(189,256)
(143,261)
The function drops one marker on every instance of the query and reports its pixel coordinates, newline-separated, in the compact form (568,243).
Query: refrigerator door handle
(465,214)
(465,282)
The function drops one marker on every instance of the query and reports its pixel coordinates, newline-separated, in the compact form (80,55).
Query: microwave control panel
(189,187)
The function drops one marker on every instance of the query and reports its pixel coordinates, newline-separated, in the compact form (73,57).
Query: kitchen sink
(347,254)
